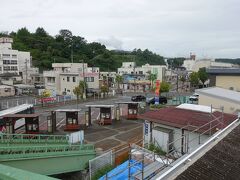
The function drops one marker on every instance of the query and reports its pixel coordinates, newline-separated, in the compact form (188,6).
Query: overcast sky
(209,28)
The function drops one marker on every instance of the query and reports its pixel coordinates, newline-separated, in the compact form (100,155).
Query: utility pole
(84,88)
(26,70)
(72,52)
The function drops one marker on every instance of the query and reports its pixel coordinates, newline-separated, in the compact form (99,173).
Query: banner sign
(157,91)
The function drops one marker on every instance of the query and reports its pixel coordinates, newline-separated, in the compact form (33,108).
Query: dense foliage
(233,61)
(65,47)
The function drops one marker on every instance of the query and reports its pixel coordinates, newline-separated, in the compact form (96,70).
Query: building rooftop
(180,118)
(226,71)
(196,107)
(221,93)
(220,162)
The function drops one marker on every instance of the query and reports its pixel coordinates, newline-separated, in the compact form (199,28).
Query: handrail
(23,138)
(11,152)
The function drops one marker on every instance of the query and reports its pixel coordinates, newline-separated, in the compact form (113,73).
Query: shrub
(156,149)
(102,172)
(156,106)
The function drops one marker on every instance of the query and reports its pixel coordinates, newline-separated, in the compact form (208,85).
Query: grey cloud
(111,42)
(171,28)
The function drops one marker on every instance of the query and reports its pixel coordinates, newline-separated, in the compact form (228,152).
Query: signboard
(146,132)
(157,91)
(47,99)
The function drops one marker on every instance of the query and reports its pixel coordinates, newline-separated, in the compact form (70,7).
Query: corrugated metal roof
(220,162)
(16,109)
(221,93)
(196,107)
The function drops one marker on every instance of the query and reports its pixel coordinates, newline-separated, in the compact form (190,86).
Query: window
(0,68)
(89,79)
(6,55)
(7,90)
(6,68)
(68,79)
(140,72)
(74,79)
(14,56)
(6,62)
(14,62)
(14,68)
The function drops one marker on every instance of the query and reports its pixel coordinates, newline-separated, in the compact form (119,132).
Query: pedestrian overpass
(44,154)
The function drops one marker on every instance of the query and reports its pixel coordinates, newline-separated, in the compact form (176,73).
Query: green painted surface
(10,173)
(45,158)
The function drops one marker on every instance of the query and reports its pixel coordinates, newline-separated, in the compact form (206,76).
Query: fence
(111,159)
(100,162)
(8,103)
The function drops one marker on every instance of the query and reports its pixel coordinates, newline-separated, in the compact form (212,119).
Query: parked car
(138,98)
(194,97)
(162,100)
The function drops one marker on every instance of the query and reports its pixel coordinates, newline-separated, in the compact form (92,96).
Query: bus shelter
(132,109)
(105,116)
(71,120)
(14,122)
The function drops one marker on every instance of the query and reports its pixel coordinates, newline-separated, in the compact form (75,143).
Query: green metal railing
(33,138)
(15,152)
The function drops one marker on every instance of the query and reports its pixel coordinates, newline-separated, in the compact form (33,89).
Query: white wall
(162,138)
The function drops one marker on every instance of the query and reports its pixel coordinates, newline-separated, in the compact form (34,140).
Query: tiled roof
(180,118)
(220,162)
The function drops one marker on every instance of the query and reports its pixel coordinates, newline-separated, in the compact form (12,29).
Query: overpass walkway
(44,154)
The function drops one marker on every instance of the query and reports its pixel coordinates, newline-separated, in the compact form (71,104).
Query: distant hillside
(233,61)
(46,49)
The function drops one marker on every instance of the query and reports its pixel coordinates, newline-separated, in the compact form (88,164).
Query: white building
(136,78)
(219,97)
(194,65)
(66,76)
(109,77)
(14,61)
(131,68)
(182,128)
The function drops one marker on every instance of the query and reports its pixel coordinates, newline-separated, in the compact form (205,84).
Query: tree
(119,80)
(193,78)
(183,79)
(77,91)
(46,93)
(104,90)
(151,78)
(164,87)
(202,75)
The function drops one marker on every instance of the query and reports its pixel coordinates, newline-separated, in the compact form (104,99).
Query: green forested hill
(46,49)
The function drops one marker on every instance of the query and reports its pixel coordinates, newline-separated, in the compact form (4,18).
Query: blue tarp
(122,171)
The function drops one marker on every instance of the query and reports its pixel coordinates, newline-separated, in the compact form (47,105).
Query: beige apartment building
(66,76)
(219,97)
(227,78)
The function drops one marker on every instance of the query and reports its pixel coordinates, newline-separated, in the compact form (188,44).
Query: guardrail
(15,152)
(33,138)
